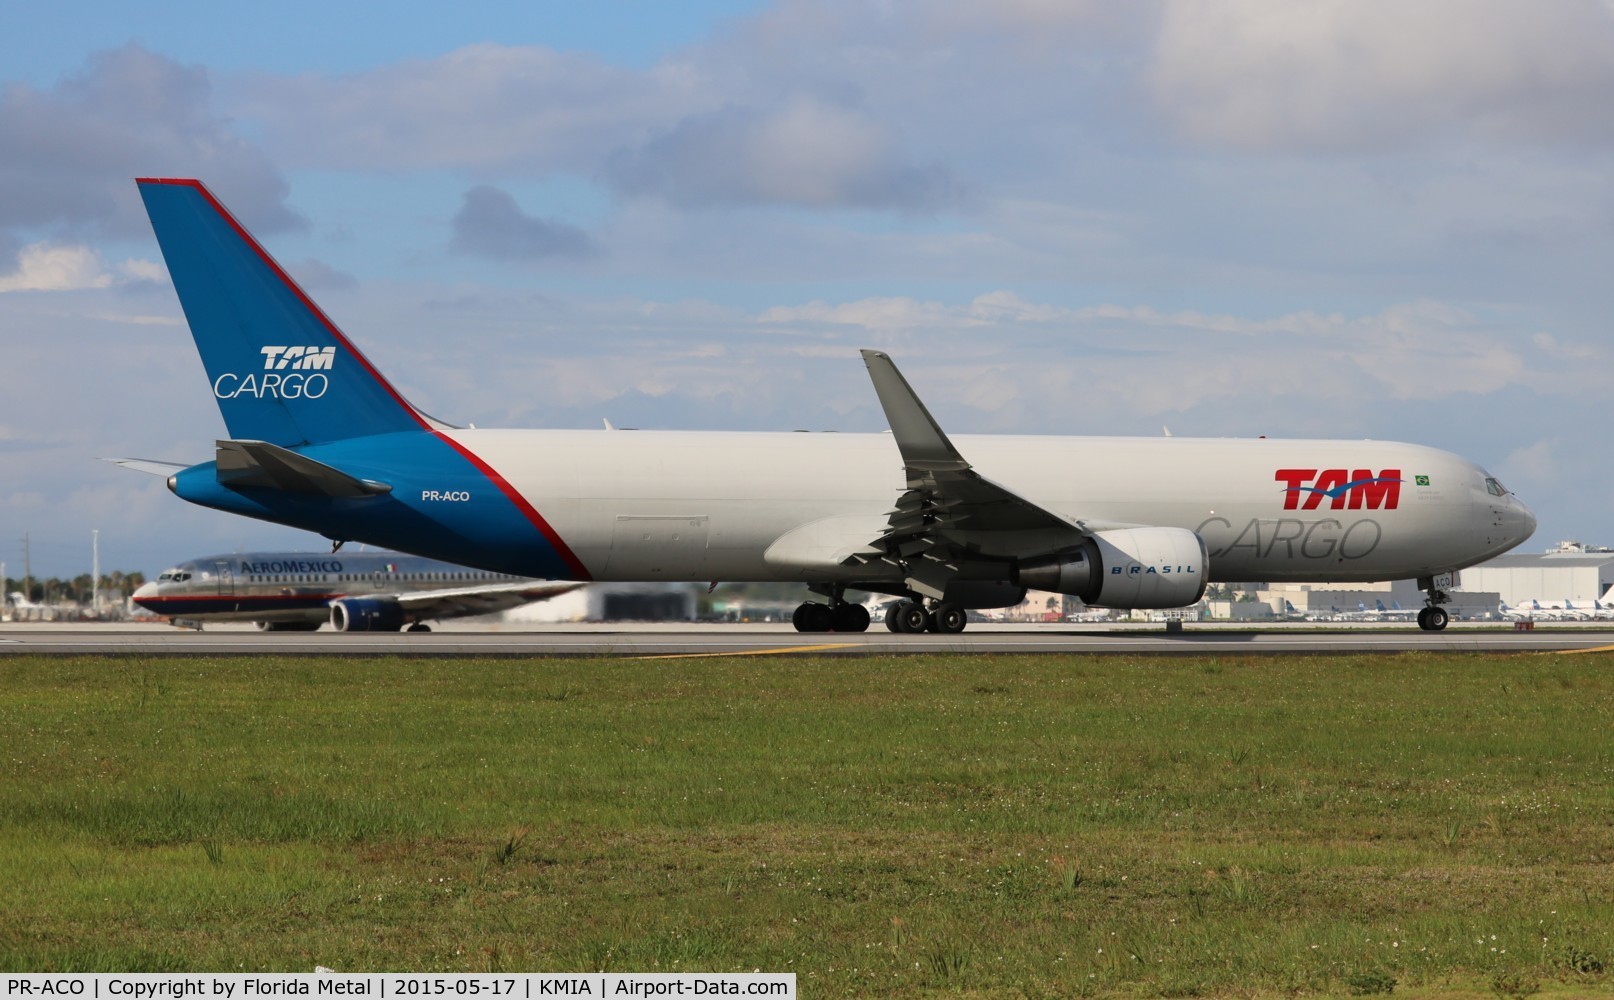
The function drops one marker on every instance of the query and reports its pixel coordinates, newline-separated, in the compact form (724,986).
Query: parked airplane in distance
(361,592)
(320,440)
(18,607)
(1395,612)
(1379,613)
(1600,609)
(1596,610)
(1534,610)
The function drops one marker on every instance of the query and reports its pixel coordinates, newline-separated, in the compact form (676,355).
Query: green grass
(1002,825)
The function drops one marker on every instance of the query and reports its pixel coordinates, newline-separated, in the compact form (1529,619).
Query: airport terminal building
(1572,572)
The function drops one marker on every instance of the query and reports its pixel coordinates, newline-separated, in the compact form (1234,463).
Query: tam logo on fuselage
(297,360)
(1345,489)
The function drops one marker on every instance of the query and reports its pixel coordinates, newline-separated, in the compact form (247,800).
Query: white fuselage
(650,505)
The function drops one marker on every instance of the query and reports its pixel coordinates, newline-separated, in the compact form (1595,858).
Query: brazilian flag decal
(1421,480)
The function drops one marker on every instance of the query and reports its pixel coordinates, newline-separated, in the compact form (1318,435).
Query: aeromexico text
(272,566)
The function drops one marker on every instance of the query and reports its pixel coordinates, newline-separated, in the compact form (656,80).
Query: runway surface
(693,640)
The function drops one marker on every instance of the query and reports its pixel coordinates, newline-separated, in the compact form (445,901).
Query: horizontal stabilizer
(268,466)
(149,467)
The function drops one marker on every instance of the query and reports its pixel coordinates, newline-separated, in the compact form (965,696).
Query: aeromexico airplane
(320,440)
(356,592)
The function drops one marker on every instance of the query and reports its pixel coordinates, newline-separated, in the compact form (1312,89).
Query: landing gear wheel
(419,627)
(910,617)
(1433,619)
(949,618)
(812,617)
(892,622)
(851,618)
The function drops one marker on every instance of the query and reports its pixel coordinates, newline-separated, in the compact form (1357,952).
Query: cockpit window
(1495,488)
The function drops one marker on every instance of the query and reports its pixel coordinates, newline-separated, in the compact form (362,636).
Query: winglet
(922,442)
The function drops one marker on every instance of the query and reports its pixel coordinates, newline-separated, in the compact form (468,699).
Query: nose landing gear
(1434,617)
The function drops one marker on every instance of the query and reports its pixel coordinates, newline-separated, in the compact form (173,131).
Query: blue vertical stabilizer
(280,370)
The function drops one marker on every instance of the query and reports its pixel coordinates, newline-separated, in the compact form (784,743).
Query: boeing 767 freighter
(320,440)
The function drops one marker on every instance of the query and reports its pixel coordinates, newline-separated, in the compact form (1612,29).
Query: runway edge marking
(750,652)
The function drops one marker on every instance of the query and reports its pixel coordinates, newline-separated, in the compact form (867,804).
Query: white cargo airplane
(1533,610)
(1566,610)
(320,440)
(357,592)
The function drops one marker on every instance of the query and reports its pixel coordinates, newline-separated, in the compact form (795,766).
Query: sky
(1298,218)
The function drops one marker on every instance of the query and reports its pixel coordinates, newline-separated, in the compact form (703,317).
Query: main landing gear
(837,616)
(840,615)
(911,616)
(1434,617)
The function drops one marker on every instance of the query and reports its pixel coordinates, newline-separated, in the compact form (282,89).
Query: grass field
(1000,825)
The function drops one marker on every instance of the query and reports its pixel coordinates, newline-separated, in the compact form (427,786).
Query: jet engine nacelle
(367,614)
(1126,568)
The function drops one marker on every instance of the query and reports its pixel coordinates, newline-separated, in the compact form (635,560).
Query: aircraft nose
(1520,520)
(146,590)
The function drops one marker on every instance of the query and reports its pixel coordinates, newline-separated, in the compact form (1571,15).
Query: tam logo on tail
(298,358)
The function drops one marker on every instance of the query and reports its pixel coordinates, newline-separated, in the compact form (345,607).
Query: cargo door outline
(658,546)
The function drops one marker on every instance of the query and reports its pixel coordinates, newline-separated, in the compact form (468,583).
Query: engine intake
(1126,568)
(367,614)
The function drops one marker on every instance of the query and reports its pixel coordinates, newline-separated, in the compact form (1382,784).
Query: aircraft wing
(458,602)
(946,499)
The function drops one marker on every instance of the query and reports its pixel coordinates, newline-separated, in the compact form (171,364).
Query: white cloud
(1344,74)
(71,151)
(51,267)
(1142,359)
(674,131)
(901,313)
(801,151)
(43,267)
(525,109)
